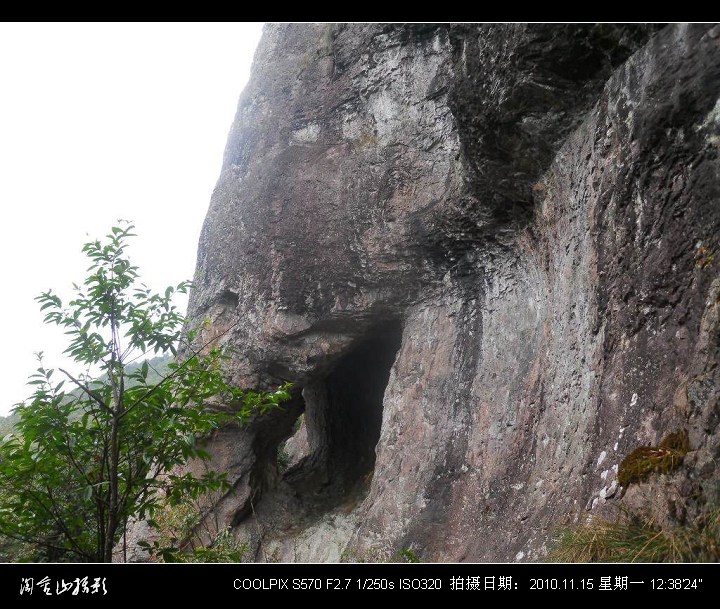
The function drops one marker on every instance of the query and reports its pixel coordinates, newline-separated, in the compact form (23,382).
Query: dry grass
(632,539)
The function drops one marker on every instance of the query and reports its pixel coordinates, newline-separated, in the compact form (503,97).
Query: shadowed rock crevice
(343,416)
(341,421)
(341,424)
(518,91)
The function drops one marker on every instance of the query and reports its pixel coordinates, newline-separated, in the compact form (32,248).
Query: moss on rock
(647,460)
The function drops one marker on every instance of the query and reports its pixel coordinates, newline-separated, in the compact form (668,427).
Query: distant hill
(7,423)
(158,369)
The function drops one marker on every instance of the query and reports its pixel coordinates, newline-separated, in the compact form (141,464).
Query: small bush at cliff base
(90,452)
(408,555)
(184,534)
(634,539)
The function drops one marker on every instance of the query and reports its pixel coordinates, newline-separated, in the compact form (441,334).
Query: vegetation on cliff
(634,538)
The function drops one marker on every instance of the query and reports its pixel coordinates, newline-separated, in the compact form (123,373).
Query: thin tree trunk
(114,481)
(116,377)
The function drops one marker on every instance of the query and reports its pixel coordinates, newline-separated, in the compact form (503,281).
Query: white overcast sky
(100,122)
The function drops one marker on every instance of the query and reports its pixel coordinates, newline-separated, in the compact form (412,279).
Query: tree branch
(177,371)
(87,390)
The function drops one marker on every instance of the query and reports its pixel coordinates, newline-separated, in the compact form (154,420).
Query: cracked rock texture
(484,256)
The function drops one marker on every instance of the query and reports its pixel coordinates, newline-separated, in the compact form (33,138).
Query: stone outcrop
(484,256)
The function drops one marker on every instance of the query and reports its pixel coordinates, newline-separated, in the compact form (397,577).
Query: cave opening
(342,422)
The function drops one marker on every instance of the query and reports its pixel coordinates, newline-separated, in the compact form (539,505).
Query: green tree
(82,462)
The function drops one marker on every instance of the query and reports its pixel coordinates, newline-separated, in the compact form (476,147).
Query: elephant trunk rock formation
(483,255)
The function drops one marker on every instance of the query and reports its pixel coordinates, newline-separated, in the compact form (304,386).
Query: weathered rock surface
(483,256)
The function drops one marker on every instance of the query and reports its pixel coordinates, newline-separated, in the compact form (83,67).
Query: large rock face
(483,254)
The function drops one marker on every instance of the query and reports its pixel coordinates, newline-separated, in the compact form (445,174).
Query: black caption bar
(32,583)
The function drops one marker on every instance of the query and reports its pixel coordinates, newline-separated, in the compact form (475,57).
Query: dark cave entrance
(343,418)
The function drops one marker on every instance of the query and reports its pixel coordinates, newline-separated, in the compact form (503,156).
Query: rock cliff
(484,256)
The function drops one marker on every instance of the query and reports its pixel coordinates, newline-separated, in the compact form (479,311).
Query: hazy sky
(100,122)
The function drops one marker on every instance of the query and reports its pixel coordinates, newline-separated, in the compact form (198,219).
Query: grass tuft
(632,539)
